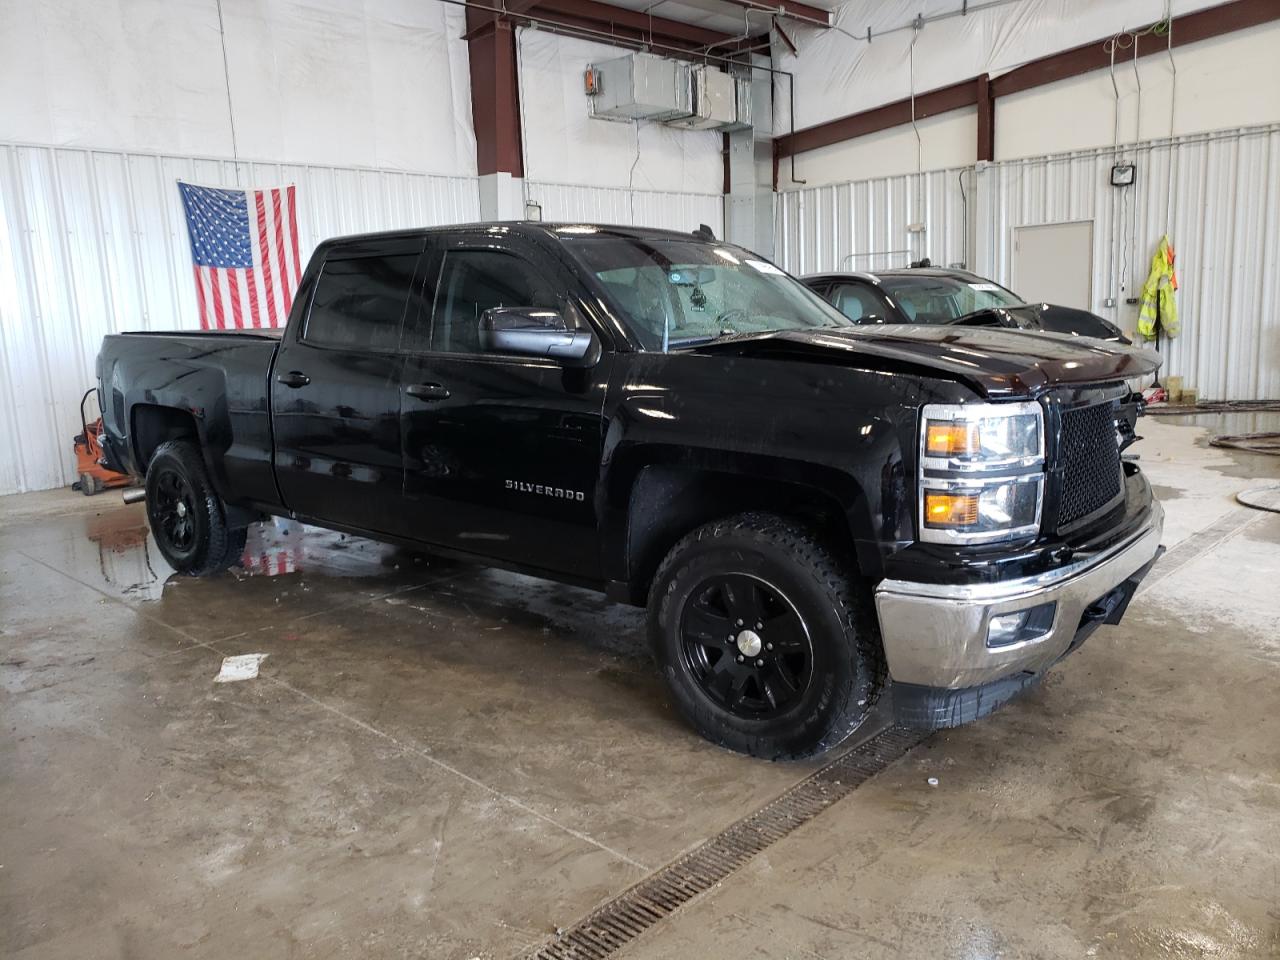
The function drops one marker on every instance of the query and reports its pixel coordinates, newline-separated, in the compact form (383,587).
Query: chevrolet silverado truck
(814,512)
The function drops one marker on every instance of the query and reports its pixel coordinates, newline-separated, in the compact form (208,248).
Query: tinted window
(359,303)
(857,302)
(473,281)
(930,299)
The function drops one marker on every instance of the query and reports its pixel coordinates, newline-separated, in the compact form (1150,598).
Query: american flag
(244,251)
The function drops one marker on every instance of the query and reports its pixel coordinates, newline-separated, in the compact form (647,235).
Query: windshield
(942,299)
(679,293)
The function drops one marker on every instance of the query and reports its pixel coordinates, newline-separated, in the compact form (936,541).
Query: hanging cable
(524,126)
(631,177)
(226,77)
(911,81)
(1173,95)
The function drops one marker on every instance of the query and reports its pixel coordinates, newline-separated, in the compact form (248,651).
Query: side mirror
(534,332)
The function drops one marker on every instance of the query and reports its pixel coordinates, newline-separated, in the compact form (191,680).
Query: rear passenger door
(501,452)
(335,395)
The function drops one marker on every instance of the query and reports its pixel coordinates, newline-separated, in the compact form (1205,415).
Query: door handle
(293,379)
(428,391)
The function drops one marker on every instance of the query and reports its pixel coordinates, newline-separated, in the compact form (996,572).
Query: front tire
(765,640)
(187,517)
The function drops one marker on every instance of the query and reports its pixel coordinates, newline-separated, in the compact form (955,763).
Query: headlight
(981,472)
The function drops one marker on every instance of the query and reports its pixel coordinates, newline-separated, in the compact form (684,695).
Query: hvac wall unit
(642,86)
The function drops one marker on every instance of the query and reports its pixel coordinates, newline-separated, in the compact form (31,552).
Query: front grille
(1090,457)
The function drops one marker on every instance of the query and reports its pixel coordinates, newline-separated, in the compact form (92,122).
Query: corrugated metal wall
(1223,216)
(644,208)
(866,225)
(94,241)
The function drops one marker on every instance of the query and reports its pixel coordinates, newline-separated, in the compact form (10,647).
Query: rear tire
(766,641)
(188,519)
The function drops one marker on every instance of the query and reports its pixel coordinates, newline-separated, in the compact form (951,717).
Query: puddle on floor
(119,556)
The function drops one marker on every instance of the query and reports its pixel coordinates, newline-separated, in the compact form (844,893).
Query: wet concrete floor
(438,760)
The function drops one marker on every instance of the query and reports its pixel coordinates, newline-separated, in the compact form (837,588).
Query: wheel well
(154,425)
(669,502)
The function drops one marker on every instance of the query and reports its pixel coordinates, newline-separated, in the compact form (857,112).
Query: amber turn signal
(950,509)
(943,439)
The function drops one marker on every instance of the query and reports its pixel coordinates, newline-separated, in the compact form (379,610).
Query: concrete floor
(442,761)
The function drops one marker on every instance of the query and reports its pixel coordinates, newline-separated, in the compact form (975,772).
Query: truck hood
(995,362)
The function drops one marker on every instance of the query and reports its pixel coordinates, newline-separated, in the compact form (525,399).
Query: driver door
(501,451)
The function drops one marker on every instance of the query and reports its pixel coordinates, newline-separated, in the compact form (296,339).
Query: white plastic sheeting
(864,225)
(1225,224)
(561,137)
(377,83)
(836,73)
(643,208)
(93,242)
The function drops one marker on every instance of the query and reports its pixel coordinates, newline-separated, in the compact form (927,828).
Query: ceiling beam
(942,100)
(799,12)
(1190,28)
(632,24)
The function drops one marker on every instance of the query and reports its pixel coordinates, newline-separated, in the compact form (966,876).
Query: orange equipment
(94,477)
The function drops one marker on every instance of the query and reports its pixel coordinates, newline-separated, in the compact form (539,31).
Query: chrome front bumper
(935,635)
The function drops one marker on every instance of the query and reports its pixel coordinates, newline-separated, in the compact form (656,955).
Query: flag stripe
(219,317)
(251,276)
(204,310)
(293,235)
(233,283)
(277,218)
(266,256)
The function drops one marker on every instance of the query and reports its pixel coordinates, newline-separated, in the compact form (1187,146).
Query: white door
(1053,263)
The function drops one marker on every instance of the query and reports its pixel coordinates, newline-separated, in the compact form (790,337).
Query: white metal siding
(864,225)
(1224,225)
(1225,228)
(94,241)
(642,208)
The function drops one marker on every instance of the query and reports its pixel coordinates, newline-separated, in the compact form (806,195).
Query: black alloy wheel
(174,511)
(188,518)
(766,636)
(746,646)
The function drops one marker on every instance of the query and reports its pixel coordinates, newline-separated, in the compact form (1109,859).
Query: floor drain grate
(622,919)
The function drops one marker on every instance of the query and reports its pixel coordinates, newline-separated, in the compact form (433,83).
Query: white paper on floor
(243,667)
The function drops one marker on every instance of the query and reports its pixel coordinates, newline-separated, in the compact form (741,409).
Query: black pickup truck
(813,511)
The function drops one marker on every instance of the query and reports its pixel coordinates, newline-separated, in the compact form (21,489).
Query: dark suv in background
(936,296)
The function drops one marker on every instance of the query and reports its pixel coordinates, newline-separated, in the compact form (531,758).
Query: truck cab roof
(528,229)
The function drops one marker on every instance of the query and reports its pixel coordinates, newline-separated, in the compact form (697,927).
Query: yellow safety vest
(1157,294)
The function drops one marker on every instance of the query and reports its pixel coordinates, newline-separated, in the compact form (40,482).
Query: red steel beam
(986,119)
(634,24)
(957,95)
(588,15)
(1190,28)
(800,12)
(495,94)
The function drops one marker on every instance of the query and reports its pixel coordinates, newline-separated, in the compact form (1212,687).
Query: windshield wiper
(987,317)
(698,341)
